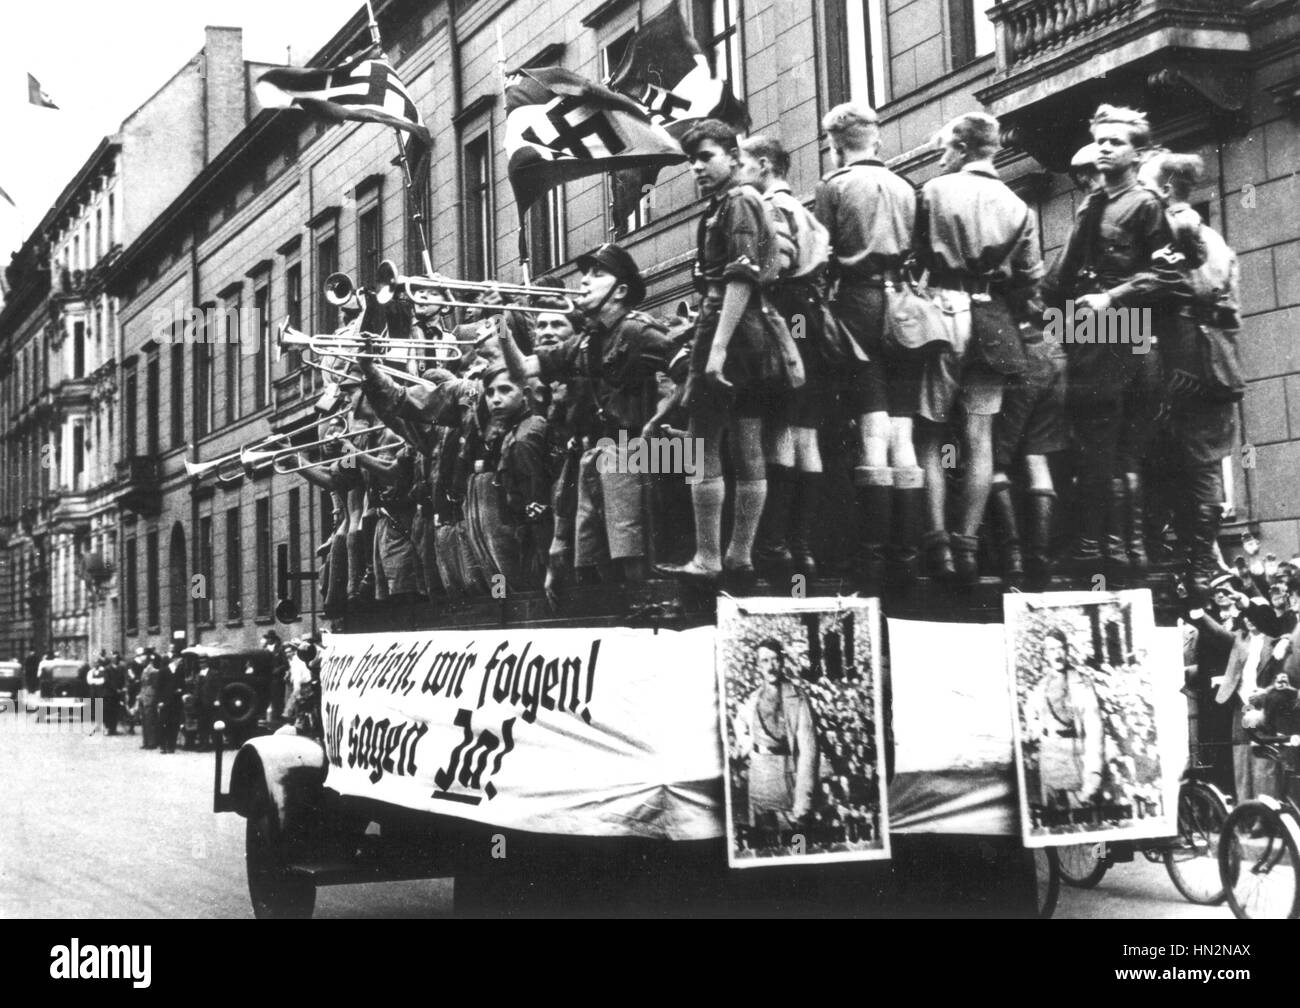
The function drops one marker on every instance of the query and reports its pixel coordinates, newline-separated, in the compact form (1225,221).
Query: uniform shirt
(969,223)
(620,362)
(735,240)
(869,212)
(523,472)
(802,239)
(1118,249)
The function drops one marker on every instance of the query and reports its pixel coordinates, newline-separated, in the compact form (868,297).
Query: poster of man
(1099,741)
(802,730)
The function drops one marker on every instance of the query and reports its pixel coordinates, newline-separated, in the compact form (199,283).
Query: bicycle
(1191,857)
(1259,852)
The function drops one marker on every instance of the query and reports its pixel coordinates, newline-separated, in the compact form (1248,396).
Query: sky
(99,60)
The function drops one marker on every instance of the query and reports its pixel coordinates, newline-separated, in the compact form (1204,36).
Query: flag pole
(417,218)
(523,232)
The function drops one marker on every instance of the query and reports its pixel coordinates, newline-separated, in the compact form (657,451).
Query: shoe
(1039,505)
(689,573)
(965,550)
(1006,526)
(938,555)
(774,562)
(739,580)
(1085,560)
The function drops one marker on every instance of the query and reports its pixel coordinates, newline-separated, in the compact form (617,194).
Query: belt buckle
(981,296)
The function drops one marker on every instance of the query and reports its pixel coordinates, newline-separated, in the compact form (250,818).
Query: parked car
(11,679)
(227,684)
(63,678)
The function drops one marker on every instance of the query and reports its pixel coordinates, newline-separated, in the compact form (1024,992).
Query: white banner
(586,732)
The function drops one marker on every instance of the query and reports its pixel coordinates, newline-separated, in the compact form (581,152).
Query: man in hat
(619,353)
(775,731)
(978,241)
(870,213)
(1063,720)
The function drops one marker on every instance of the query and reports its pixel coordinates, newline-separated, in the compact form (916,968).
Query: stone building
(287,201)
(62,423)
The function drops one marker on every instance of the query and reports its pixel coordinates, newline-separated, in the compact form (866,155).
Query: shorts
(396,560)
(887,383)
(610,523)
(808,405)
(1032,421)
(953,375)
(757,383)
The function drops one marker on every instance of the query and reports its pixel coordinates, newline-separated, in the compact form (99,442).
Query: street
(95,827)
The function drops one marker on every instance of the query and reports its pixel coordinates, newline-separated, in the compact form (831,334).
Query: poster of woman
(802,730)
(1100,740)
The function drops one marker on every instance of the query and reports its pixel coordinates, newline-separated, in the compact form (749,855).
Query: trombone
(229,468)
(437,291)
(348,350)
(254,457)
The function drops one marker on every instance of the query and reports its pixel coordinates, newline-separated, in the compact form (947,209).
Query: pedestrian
(743,364)
(171,682)
(870,213)
(977,240)
(794,461)
(1114,389)
(147,700)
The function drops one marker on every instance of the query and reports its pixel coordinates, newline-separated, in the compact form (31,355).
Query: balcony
(140,485)
(1058,59)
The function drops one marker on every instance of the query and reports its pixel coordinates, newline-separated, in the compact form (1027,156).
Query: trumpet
(254,457)
(349,348)
(221,466)
(341,292)
(437,290)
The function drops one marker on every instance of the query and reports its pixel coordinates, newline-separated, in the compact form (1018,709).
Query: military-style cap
(1084,157)
(617,260)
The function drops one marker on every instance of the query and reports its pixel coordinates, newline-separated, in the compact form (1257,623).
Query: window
(111,222)
(99,233)
(546,232)
(717,29)
(855,52)
(327,262)
(131,587)
(234,359)
(178,394)
(130,418)
(295,543)
(234,567)
(78,350)
(262,359)
(78,455)
(478,210)
(629,204)
(203,563)
(262,548)
(369,246)
(153,606)
(204,359)
(152,407)
(293,295)
(972,31)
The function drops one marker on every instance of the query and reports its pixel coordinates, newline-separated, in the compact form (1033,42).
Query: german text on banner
(609,732)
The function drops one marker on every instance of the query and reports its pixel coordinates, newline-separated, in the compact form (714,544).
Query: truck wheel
(275,893)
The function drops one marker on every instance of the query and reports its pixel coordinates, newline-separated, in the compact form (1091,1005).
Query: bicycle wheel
(1259,855)
(1047,872)
(1193,863)
(1082,865)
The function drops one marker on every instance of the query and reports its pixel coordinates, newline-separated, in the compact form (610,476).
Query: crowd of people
(887,384)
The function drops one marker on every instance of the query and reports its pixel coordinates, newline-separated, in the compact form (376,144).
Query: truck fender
(291,770)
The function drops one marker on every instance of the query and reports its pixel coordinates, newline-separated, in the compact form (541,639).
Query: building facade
(63,423)
(286,201)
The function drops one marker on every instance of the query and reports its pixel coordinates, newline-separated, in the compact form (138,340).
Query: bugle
(341,292)
(226,468)
(256,456)
(438,291)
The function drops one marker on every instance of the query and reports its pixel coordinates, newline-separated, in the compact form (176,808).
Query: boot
(1039,505)
(964,552)
(1006,533)
(938,555)
(1115,546)
(1086,560)
(807,497)
(873,490)
(771,553)
(1135,526)
(903,556)
(1202,562)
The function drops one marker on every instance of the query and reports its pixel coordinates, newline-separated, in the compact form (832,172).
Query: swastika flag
(665,71)
(365,88)
(561,126)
